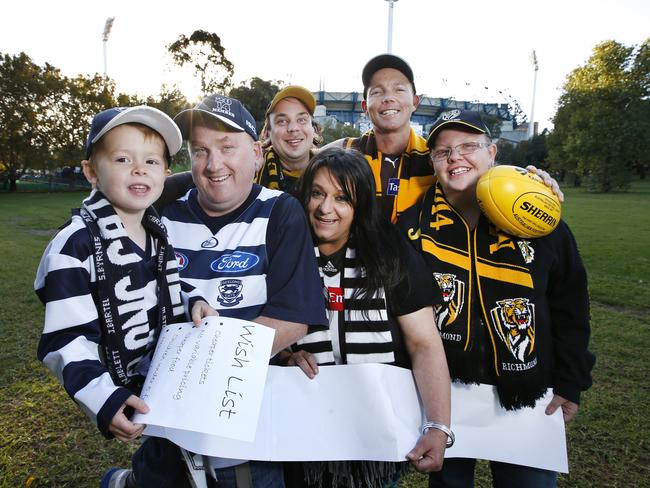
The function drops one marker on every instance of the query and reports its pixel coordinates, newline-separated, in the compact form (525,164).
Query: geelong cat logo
(230,292)
(235,262)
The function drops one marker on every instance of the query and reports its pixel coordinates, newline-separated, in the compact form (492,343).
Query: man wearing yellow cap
(288,137)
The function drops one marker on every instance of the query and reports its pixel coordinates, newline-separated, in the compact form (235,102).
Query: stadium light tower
(389,48)
(107,30)
(531,122)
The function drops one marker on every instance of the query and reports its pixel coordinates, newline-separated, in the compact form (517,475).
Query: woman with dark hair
(379,305)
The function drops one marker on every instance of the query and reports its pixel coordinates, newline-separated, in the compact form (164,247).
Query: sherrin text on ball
(518,202)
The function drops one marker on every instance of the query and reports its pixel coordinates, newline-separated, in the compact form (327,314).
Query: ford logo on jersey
(235,263)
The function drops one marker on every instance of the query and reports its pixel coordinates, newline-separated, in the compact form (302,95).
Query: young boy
(109,279)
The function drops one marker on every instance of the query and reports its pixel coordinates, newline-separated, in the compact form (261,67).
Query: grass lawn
(45,440)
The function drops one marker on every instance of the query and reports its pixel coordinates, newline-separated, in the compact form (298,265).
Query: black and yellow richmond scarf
(488,318)
(413,174)
(119,296)
(272,175)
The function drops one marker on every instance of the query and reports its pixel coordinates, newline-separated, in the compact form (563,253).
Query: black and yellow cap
(468,119)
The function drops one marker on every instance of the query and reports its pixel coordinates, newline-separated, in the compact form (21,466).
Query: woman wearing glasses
(515,312)
(376,284)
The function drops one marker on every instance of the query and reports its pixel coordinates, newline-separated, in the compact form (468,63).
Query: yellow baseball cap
(294,91)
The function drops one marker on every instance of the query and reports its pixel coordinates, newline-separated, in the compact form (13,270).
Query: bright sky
(456,48)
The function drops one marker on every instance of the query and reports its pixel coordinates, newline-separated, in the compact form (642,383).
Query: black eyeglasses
(463,149)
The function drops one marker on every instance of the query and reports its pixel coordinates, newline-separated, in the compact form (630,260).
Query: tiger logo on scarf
(514,321)
(527,251)
(453,294)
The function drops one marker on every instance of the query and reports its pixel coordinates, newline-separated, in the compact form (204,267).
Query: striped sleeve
(69,345)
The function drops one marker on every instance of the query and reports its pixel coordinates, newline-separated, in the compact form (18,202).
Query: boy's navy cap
(225,109)
(149,116)
(385,61)
(465,118)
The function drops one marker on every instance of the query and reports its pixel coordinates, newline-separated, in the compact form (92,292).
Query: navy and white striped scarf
(125,324)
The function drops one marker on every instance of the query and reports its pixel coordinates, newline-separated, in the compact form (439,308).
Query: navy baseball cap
(467,119)
(385,61)
(227,110)
(149,116)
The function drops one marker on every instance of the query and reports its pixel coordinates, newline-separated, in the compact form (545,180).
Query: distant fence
(46,183)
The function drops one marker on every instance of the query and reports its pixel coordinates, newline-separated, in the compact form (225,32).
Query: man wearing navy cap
(288,139)
(247,248)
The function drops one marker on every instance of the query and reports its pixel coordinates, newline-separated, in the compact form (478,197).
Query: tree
(172,102)
(602,122)
(65,126)
(640,111)
(493,123)
(256,95)
(538,151)
(334,130)
(533,151)
(204,52)
(506,152)
(44,116)
(23,92)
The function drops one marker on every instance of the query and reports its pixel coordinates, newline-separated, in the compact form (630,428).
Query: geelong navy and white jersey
(70,344)
(256,260)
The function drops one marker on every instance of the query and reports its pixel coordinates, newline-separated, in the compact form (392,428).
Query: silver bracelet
(435,425)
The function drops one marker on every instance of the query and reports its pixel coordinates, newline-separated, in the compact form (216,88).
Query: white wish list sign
(208,379)
(371,411)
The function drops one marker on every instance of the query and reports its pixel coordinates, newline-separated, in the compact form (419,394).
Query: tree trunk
(12,180)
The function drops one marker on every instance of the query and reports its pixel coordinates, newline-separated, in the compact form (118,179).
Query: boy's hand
(548,180)
(121,427)
(201,309)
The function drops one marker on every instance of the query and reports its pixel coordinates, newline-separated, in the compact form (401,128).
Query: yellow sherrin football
(518,202)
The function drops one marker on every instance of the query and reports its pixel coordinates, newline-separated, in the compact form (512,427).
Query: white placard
(361,411)
(208,379)
(485,430)
(372,411)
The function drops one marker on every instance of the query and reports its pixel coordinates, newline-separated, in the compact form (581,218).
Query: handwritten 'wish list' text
(208,379)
